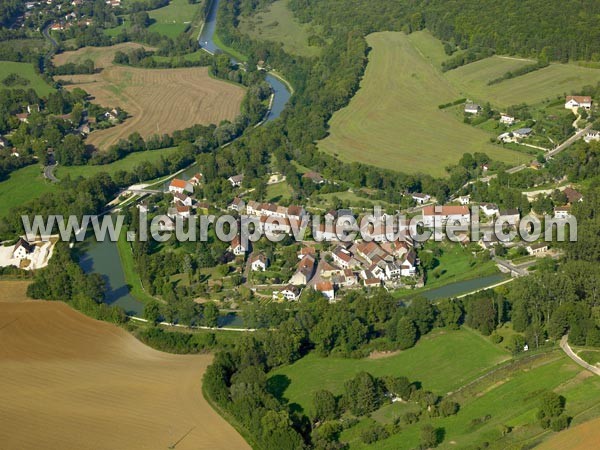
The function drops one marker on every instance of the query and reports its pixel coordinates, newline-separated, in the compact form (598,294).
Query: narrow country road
(569,141)
(564,344)
(49,172)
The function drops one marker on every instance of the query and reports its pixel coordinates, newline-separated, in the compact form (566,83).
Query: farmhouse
(342,257)
(421,198)
(447,215)
(562,212)
(537,249)
(464,199)
(472,108)
(237,247)
(290,292)
(23,249)
(259,263)
(371,281)
(506,119)
(326,288)
(305,271)
(578,101)
(573,196)
(315,177)
(180,186)
(179,211)
(182,199)
(236,180)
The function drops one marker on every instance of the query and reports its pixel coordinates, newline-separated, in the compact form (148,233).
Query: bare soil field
(581,437)
(70,382)
(158,100)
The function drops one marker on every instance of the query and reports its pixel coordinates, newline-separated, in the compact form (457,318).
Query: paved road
(49,172)
(564,344)
(569,141)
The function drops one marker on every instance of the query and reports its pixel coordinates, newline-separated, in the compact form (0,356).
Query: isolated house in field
(326,288)
(472,108)
(578,101)
(236,180)
(573,196)
(237,205)
(237,247)
(259,263)
(23,249)
(421,198)
(180,186)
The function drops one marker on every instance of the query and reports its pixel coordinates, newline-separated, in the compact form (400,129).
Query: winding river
(103,257)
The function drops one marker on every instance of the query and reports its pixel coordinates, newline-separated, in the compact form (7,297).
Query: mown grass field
(472,79)
(158,100)
(277,24)
(28,183)
(441,361)
(394,121)
(170,20)
(26,71)
(535,87)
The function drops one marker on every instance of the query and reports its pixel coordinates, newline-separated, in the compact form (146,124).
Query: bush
(374,433)
(559,423)
(496,338)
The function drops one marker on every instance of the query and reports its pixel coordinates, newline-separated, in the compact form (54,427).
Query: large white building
(446,215)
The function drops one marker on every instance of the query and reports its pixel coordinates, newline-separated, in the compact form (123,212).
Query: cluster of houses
(347,266)
(183,202)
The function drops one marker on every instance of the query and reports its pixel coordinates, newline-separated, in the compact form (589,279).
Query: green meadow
(394,121)
(28,183)
(26,71)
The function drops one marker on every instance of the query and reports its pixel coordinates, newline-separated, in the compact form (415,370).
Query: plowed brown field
(70,382)
(158,100)
(581,437)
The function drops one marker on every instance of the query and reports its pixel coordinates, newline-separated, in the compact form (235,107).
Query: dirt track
(70,382)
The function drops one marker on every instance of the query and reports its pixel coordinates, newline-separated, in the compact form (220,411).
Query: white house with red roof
(180,186)
(446,215)
(578,101)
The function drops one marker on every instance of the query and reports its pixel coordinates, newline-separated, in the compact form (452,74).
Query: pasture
(535,87)
(28,183)
(68,382)
(508,398)
(427,362)
(158,100)
(26,71)
(173,19)
(394,121)
(278,24)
